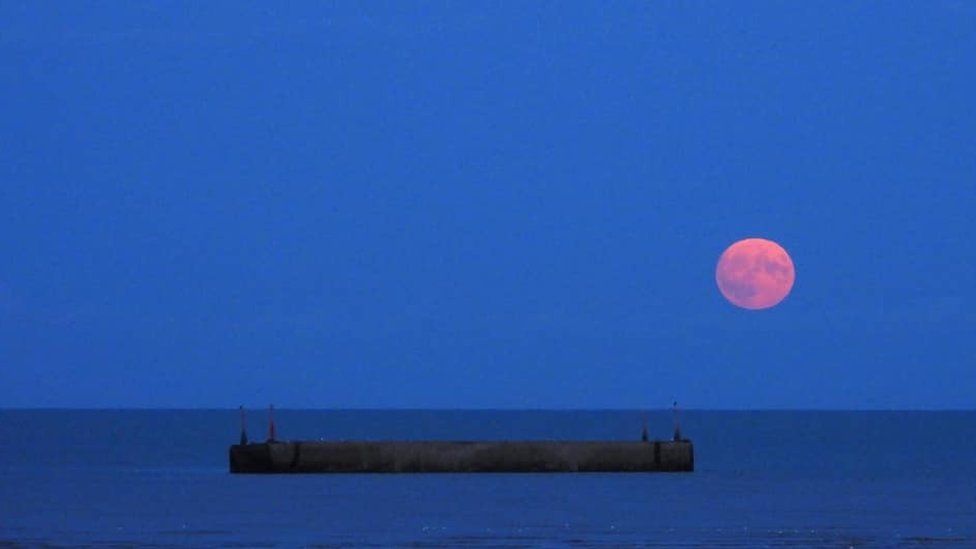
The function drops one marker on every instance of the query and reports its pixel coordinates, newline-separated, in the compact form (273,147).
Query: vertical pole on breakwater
(677,423)
(272,432)
(243,426)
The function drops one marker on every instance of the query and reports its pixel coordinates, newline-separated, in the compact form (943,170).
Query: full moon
(755,273)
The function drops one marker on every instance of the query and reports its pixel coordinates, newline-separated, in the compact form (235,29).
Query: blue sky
(484,205)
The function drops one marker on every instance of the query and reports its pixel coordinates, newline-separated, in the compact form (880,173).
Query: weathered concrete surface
(461,457)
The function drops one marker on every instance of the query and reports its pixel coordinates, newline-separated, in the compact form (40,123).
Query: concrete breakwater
(462,457)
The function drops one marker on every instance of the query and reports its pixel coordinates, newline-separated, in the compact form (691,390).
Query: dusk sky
(485,205)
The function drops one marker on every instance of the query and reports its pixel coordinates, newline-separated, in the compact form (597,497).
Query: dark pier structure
(642,455)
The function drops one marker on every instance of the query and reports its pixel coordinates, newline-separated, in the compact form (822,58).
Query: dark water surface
(763,479)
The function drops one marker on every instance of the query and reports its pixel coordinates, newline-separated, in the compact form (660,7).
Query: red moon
(755,273)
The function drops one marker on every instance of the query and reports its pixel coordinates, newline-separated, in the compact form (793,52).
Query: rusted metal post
(243,426)
(272,431)
(677,423)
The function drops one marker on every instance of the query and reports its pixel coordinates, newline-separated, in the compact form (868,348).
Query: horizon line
(444,409)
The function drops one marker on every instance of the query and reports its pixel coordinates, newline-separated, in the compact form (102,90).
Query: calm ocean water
(763,479)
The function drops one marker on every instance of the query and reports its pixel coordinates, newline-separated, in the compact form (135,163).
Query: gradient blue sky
(469,204)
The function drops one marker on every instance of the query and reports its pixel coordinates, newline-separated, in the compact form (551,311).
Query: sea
(159,478)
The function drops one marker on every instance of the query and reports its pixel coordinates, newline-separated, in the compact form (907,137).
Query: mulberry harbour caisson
(434,456)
